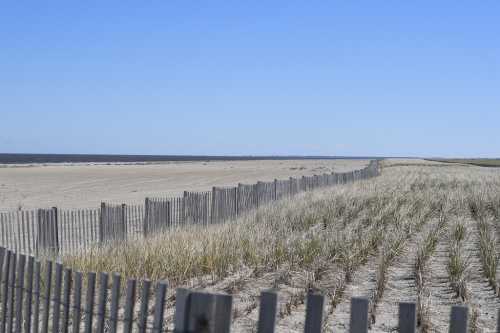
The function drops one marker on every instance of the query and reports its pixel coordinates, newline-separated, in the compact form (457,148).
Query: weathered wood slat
(161,291)
(36,311)
(56,306)
(181,309)
(359,315)
(29,294)
(223,313)
(129,306)
(20,293)
(66,300)
(115,298)
(314,313)
(143,312)
(407,318)
(89,302)
(201,310)
(459,319)
(101,303)
(12,281)
(46,297)
(5,288)
(77,303)
(267,312)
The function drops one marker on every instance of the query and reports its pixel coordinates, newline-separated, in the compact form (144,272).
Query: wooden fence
(49,297)
(58,231)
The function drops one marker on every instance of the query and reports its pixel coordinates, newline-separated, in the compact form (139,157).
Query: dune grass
(343,225)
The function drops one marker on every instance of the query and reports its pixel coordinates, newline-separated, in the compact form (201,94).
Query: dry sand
(86,185)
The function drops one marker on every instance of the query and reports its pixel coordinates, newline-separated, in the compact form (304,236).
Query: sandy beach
(86,185)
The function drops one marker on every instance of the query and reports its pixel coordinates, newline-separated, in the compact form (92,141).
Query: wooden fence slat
(77,302)
(101,306)
(46,299)
(36,312)
(129,306)
(267,312)
(89,302)
(314,313)
(459,319)
(181,309)
(161,291)
(115,298)
(407,318)
(18,239)
(23,231)
(359,315)
(201,310)
(2,226)
(29,294)
(56,306)
(5,287)
(143,312)
(12,281)
(222,316)
(498,321)
(20,293)
(66,299)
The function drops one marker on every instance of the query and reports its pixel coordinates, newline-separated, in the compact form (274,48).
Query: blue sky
(419,78)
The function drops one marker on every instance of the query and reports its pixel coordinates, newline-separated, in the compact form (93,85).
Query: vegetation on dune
(458,264)
(338,229)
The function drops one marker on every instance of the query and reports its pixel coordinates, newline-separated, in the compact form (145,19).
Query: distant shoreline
(36,159)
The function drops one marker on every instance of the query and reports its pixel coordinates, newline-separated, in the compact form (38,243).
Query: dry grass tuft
(458,264)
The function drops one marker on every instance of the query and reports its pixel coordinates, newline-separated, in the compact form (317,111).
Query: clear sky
(418,78)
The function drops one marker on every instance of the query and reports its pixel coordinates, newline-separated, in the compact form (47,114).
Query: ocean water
(88,158)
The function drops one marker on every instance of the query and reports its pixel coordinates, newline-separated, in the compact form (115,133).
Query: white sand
(84,185)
